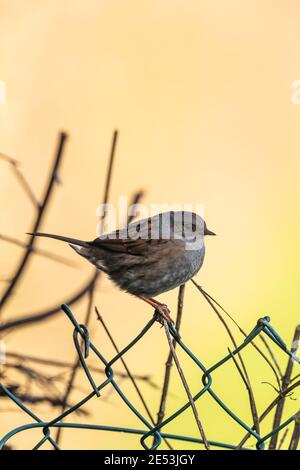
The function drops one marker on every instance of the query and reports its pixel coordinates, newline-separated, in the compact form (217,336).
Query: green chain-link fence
(151,436)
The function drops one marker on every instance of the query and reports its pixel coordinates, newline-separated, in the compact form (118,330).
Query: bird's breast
(171,266)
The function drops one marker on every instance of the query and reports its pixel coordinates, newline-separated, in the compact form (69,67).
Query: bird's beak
(209,232)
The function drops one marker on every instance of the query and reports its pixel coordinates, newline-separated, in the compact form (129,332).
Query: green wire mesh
(149,433)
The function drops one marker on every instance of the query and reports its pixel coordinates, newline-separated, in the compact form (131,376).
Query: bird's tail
(72,241)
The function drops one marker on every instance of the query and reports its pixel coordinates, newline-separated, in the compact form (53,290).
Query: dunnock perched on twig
(149,256)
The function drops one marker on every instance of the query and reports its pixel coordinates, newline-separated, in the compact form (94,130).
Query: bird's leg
(160,308)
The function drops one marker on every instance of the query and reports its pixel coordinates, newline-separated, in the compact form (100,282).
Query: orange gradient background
(201,94)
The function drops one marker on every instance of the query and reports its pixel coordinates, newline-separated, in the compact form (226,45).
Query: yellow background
(201,94)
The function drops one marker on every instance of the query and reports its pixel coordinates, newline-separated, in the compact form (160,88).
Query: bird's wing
(130,246)
(136,239)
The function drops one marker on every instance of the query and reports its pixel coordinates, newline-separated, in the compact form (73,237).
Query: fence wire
(149,433)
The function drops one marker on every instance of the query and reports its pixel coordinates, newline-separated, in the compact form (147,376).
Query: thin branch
(38,251)
(39,379)
(109,176)
(286,431)
(29,319)
(15,165)
(165,388)
(272,355)
(131,214)
(285,383)
(240,329)
(9,159)
(101,320)
(186,387)
(76,365)
(75,368)
(110,167)
(131,377)
(253,406)
(295,377)
(250,393)
(63,364)
(41,212)
(296,433)
(25,185)
(269,408)
(36,399)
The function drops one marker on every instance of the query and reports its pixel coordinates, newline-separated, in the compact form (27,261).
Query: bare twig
(9,159)
(73,374)
(186,387)
(250,393)
(32,318)
(72,378)
(165,388)
(31,373)
(253,406)
(285,383)
(296,433)
(63,364)
(37,399)
(29,319)
(269,408)
(41,211)
(131,214)
(295,378)
(101,320)
(110,167)
(286,431)
(272,355)
(39,380)
(131,377)
(208,296)
(15,165)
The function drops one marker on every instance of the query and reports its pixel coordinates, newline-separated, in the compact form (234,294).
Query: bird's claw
(162,315)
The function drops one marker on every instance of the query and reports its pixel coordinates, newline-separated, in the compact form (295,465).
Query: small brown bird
(149,256)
